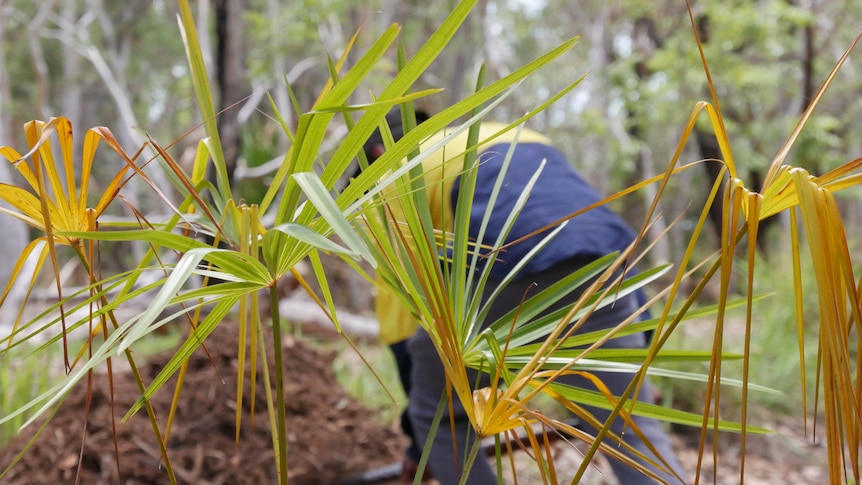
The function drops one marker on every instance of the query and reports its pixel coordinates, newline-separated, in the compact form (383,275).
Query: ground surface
(330,436)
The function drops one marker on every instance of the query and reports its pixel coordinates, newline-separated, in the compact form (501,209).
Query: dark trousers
(402,361)
(428,385)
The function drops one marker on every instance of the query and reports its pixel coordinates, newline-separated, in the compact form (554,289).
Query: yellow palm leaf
(30,210)
(65,201)
(54,204)
(786,188)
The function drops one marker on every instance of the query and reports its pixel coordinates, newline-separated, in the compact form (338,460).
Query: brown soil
(329,435)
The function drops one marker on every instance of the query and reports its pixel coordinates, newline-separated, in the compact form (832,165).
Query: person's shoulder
(490,133)
(494,132)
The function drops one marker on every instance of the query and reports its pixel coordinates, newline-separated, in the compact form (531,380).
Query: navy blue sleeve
(559,191)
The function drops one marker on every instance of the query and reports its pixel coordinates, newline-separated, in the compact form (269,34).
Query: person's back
(559,192)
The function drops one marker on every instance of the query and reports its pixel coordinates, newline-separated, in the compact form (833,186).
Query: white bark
(304,312)
(203,20)
(70,101)
(37,57)
(75,34)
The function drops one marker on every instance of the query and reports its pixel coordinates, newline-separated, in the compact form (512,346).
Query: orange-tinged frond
(37,268)
(605,440)
(29,206)
(32,212)
(842,183)
(108,137)
(840,172)
(721,136)
(53,204)
(732,207)
(91,143)
(438,319)
(17,161)
(785,149)
(800,321)
(33,133)
(14,275)
(609,449)
(714,111)
(21,217)
(495,413)
(53,201)
(188,184)
(780,195)
(64,133)
(752,202)
(111,191)
(836,293)
(38,136)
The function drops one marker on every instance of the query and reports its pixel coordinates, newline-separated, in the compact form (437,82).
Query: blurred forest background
(122,65)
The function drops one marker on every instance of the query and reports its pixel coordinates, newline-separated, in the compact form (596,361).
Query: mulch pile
(329,435)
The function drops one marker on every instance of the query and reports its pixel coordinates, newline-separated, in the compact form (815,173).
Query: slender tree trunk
(230,76)
(709,150)
(646,41)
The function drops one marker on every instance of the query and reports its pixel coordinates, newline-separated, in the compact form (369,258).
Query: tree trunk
(646,40)
(709,150)
(230,76)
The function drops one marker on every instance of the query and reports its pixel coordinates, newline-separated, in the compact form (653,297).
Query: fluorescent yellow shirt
(441,169)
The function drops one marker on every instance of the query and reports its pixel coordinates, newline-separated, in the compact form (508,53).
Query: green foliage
(773,356)
(776,332)
(369,374)
(293,28)
(25,375)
